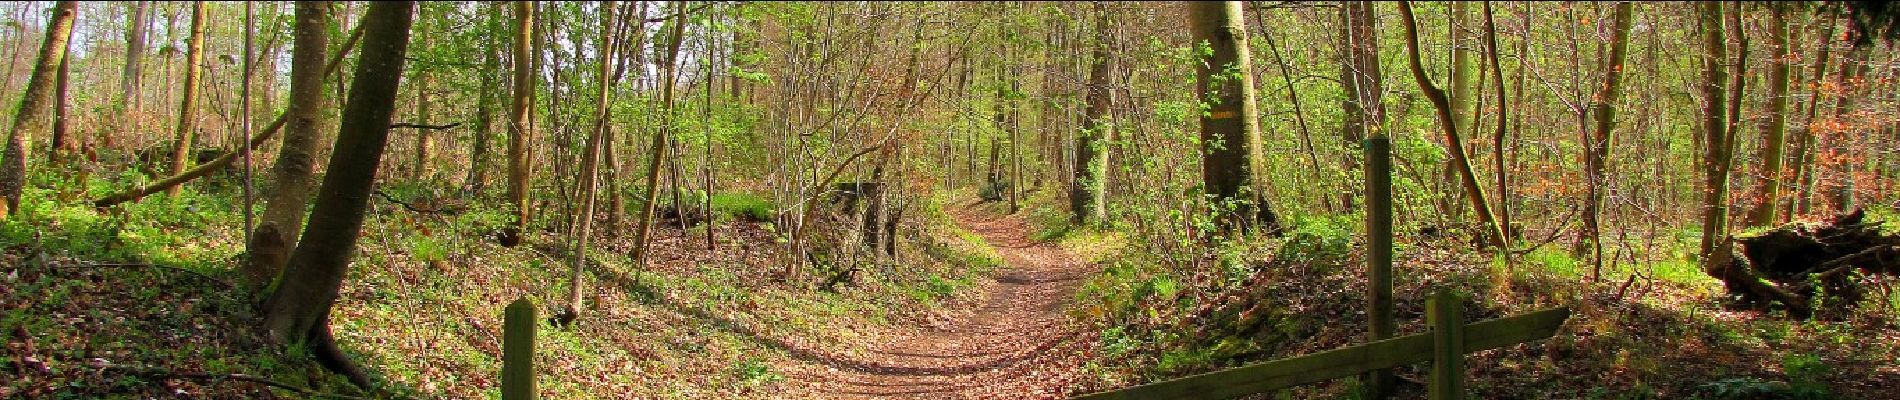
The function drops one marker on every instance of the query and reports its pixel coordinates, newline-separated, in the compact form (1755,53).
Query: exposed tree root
(323,348)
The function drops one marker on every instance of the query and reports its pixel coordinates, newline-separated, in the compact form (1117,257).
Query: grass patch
(1558,263)
(744,205)
(728,205)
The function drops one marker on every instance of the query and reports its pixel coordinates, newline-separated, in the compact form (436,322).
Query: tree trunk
(705,121)
(518,125)
(1493,235)
(134,56)
(188,105)
(1363,84)
(1230,130)
(658,151)
(1798,165)
(590,160)
(1737,88)
(1087,195)
(31,116)
(245,92)
(1597,152)
(1840,199)
(1463,90)
(296,158)
(484,125)
(1774,128)
(1498,151)
(1715,157)
(299,309)
(62,108)
(1015,141)
(425,141)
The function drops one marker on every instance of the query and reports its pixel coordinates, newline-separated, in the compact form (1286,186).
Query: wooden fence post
(1446,312)
(517,351)
(1379,253)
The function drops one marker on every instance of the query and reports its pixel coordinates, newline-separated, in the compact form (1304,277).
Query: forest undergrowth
(137,303)
(119,305)
(1658,329)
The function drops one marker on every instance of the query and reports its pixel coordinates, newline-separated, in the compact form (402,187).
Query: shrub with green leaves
(1326,240)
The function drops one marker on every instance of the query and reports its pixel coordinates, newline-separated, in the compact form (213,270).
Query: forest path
(1009,342)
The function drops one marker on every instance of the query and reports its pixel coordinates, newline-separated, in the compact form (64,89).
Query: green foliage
(754,372)
(1804,376)
(484,219)
(1127,291)
(1186,358)
(1116,341)
(1318,240)
(1548,260)
(728,205)
(1747,388)
(994,190)
(1804,383)
(745,205)
(182,230)
(935,287)
(428,248)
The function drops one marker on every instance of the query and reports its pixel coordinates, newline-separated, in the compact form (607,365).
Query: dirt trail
(1010,344)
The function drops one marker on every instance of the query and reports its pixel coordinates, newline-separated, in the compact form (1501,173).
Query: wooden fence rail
(1353,360)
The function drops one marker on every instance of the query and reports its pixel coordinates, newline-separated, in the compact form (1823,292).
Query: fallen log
(1794,264)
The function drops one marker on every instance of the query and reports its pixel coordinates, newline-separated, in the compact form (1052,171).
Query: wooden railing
(1445,346)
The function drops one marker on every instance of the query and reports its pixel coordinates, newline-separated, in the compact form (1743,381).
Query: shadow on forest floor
(81,329)
(648,294)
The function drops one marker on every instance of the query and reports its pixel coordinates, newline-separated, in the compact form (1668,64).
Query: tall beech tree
(34,105)
(1800,161)
(1830,153)
(294,171)
(1716,152)
(425,138)
(1465,95)
(186,129)
(1088,191)
(298,311)
(1230,127)
(1498,150)
(130,78)
(669,71)
(1362,83)
(519,124)
(62,107)
(1493,235)
(590,161)
(1597,150)
(1774,128)
(1463,85)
